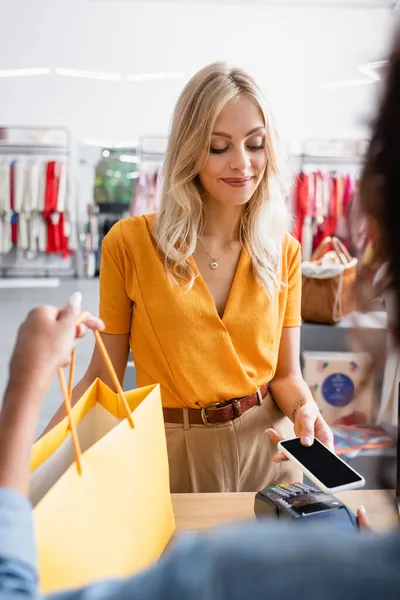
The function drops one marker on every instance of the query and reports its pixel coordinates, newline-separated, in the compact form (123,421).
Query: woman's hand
(308,424)
(46,339)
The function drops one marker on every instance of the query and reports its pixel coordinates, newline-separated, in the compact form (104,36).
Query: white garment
(23,232)
(20,175)
(70,222)
(42,240)
(5,181)
(41,187)
(307,239)
(34,185)
(5,208)
(62,188)
(5,235)
(34,232)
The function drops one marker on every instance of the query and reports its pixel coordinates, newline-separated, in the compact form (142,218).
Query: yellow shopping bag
(100,488)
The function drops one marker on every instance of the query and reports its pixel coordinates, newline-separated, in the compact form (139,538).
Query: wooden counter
(199,511)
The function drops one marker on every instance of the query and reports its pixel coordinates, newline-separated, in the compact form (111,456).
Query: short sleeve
(115,304)
(293,305)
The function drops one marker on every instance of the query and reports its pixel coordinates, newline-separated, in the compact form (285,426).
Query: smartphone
(329,472)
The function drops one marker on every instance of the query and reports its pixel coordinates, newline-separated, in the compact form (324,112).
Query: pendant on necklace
(214,265)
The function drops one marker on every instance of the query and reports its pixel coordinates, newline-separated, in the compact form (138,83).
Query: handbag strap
(338,246)
(67,392)
(337,310)
(322,249)
(341,251)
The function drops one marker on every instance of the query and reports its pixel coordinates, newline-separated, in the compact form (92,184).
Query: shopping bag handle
(67,392)
(340,249)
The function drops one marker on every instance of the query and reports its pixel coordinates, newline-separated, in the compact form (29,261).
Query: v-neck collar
(240,272)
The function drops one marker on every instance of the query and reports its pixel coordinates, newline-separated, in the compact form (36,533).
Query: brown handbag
(328,282)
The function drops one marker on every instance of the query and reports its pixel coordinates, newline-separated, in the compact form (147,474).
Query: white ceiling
(362,4)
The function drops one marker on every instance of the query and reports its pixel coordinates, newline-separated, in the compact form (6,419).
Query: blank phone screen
(322,463)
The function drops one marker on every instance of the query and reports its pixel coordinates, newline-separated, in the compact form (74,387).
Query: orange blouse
(177,337)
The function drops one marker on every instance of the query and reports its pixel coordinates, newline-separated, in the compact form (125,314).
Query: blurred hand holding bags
(102,507)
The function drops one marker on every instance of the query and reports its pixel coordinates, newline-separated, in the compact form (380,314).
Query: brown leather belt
(219,412)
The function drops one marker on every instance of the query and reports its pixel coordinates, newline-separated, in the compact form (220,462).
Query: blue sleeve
(269,560)
(18,571)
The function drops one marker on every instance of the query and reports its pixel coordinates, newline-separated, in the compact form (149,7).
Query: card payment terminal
(303,504)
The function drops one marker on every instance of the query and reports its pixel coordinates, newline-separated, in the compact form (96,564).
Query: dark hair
(379,190)
(378,203)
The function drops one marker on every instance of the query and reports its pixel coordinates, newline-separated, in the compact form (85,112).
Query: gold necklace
(215,261)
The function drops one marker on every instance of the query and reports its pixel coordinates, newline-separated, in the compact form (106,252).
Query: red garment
(319,236)
(14,219)
(317,210)
(312,194)
(50,206)
(302,205)
(331,220)
(348,195)
(65,252)
(52,185)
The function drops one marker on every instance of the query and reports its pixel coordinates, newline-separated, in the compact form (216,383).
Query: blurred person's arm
(44,344)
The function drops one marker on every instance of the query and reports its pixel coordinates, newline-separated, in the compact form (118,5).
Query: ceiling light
(25,72)
(346,83)
(126,144)
(129,158)
(95,142)
(88,74)
(154,76)
(369,70)
(111,144)
(106,153)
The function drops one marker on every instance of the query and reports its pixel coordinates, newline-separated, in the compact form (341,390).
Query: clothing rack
(153,148)
(25,150)
(324,191)
(309,159)
(332,152)
(48,143)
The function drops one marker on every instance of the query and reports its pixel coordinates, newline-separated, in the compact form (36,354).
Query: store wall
(292,51)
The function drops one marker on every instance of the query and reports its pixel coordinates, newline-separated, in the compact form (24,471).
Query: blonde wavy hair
(181,218)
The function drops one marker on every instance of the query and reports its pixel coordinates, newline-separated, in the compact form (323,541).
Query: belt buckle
(203,412)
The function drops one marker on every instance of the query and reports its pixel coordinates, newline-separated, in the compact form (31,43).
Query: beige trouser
(232,457)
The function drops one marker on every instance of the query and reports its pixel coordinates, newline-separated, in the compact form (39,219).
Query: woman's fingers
(92,322)
(81,330)
(275,437)
(324,433)
(279,457)
(363,519)
(88,322)
(306,423)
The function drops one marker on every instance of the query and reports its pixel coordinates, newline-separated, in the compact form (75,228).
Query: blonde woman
(207,295)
